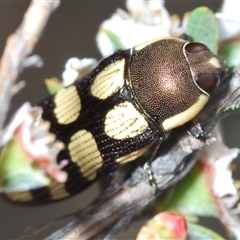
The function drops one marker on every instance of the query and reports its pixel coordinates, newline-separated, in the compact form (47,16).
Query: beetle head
(172,79)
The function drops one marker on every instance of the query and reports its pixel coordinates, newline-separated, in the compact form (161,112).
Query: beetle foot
(194,129)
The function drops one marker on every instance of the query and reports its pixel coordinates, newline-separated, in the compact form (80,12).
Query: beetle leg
(152,181)
(184,36)
(148,166)
(194,129)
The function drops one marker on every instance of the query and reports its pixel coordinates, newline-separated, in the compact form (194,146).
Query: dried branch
(119,204)
(19,46)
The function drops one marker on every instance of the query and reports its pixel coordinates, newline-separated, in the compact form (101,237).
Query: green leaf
(199,232)
(53,85)
(114,39)
(202,27)
(231,53)
(16,170)
(192,195)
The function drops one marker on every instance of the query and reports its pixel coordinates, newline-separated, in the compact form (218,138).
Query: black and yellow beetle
(130,100)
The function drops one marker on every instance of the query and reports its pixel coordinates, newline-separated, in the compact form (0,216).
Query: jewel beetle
(129,101)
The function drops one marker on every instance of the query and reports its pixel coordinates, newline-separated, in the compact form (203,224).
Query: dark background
(70,32)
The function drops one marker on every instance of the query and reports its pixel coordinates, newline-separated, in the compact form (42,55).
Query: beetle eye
(208,82)
(196,47)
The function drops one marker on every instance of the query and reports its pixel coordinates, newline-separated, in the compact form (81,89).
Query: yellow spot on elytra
(132,156)
(185,116)
(124,121)
(84,151)
(25,196)
(68,105)
(109,80)
(58,190)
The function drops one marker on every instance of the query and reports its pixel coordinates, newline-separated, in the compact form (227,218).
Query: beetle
(130,101)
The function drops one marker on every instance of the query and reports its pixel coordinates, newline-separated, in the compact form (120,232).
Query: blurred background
(70,32)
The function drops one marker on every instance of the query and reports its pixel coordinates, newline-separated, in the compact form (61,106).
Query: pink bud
(165,225)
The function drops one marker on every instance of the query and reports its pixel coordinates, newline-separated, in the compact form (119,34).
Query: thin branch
(19,46)
(176,157)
